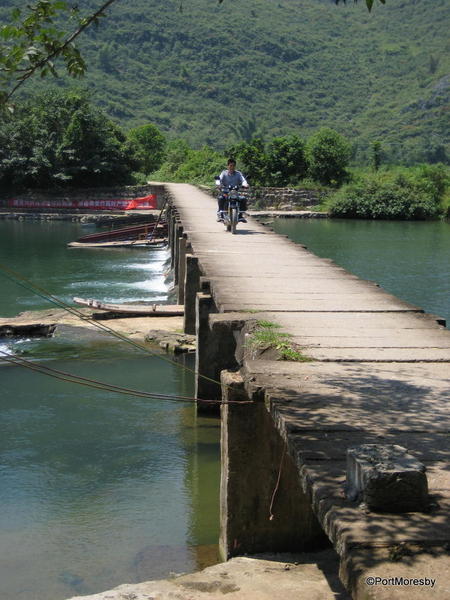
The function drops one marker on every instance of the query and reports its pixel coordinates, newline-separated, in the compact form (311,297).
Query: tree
(253,157)
(376,155)
(58,138)
(93,150)
(286,160)
(327,154)
(35,38)
(177,153)
(147,146)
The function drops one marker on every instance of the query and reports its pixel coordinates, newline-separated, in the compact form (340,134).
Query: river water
(410,259)
(96,489)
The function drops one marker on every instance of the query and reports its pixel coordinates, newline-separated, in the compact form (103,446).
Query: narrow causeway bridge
(371,374)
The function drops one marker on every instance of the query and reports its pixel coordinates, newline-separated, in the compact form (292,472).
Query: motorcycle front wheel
(234,216)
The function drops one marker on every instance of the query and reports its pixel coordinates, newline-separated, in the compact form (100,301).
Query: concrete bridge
(377,373)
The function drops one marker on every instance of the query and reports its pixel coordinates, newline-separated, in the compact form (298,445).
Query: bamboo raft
(155,310)
(150,234)
(154,243)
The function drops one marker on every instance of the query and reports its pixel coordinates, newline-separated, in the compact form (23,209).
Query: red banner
(146,202)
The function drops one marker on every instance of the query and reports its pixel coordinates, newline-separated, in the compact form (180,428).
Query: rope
(28,285)
(277,485)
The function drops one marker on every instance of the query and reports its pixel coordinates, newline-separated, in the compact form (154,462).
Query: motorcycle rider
(230,177)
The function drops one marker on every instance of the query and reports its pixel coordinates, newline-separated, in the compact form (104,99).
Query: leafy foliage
(185,164)
(280,162)
(148,147)
(60,138)
(410,194)
(328,153)
(253,158)
(35,37)
(286,160)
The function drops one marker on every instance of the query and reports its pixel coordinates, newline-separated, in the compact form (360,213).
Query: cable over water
(70,377)
(46,295)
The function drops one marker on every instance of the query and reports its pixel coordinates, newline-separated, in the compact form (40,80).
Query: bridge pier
(172,218)
(182,251)
(263,507)
(191,287)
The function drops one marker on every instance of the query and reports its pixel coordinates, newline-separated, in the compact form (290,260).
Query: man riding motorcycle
(230,177)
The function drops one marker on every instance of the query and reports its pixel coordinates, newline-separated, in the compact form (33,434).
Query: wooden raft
(156,310)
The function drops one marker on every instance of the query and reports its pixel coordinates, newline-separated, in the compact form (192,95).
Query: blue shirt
(231,179)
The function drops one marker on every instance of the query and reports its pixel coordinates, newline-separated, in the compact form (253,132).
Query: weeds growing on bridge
(266,336)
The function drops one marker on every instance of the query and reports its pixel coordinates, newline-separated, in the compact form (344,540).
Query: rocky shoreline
(161,331)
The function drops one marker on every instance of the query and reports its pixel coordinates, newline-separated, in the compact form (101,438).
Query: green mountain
(211,73)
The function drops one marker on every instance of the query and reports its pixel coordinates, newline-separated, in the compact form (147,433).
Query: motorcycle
(233,198)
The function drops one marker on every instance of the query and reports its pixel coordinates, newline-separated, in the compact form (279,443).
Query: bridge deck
(381,373)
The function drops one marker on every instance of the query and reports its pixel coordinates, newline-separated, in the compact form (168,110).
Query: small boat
(155,310)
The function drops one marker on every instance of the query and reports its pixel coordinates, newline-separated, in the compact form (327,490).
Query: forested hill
(216,74)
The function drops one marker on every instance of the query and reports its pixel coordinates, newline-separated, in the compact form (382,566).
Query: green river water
(408,259)
(98,489)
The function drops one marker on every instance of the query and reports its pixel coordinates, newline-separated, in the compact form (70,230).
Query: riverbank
(288,214)
(162,331)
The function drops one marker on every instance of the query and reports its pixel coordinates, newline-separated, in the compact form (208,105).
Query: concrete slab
(362,323)
(311,576)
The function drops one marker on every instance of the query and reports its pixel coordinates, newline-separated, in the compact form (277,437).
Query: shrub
(177,152)
(374,198)
(201,166)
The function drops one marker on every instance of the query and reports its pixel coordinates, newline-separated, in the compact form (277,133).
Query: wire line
(27,284)
(71,378)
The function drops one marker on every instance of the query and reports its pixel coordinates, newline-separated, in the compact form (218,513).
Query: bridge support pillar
(218,341)
(262,505)
(172,221)
(178,234)
(206,386)
(191,287)
(182,245)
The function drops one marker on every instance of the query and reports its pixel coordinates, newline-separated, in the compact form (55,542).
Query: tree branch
(57,52)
